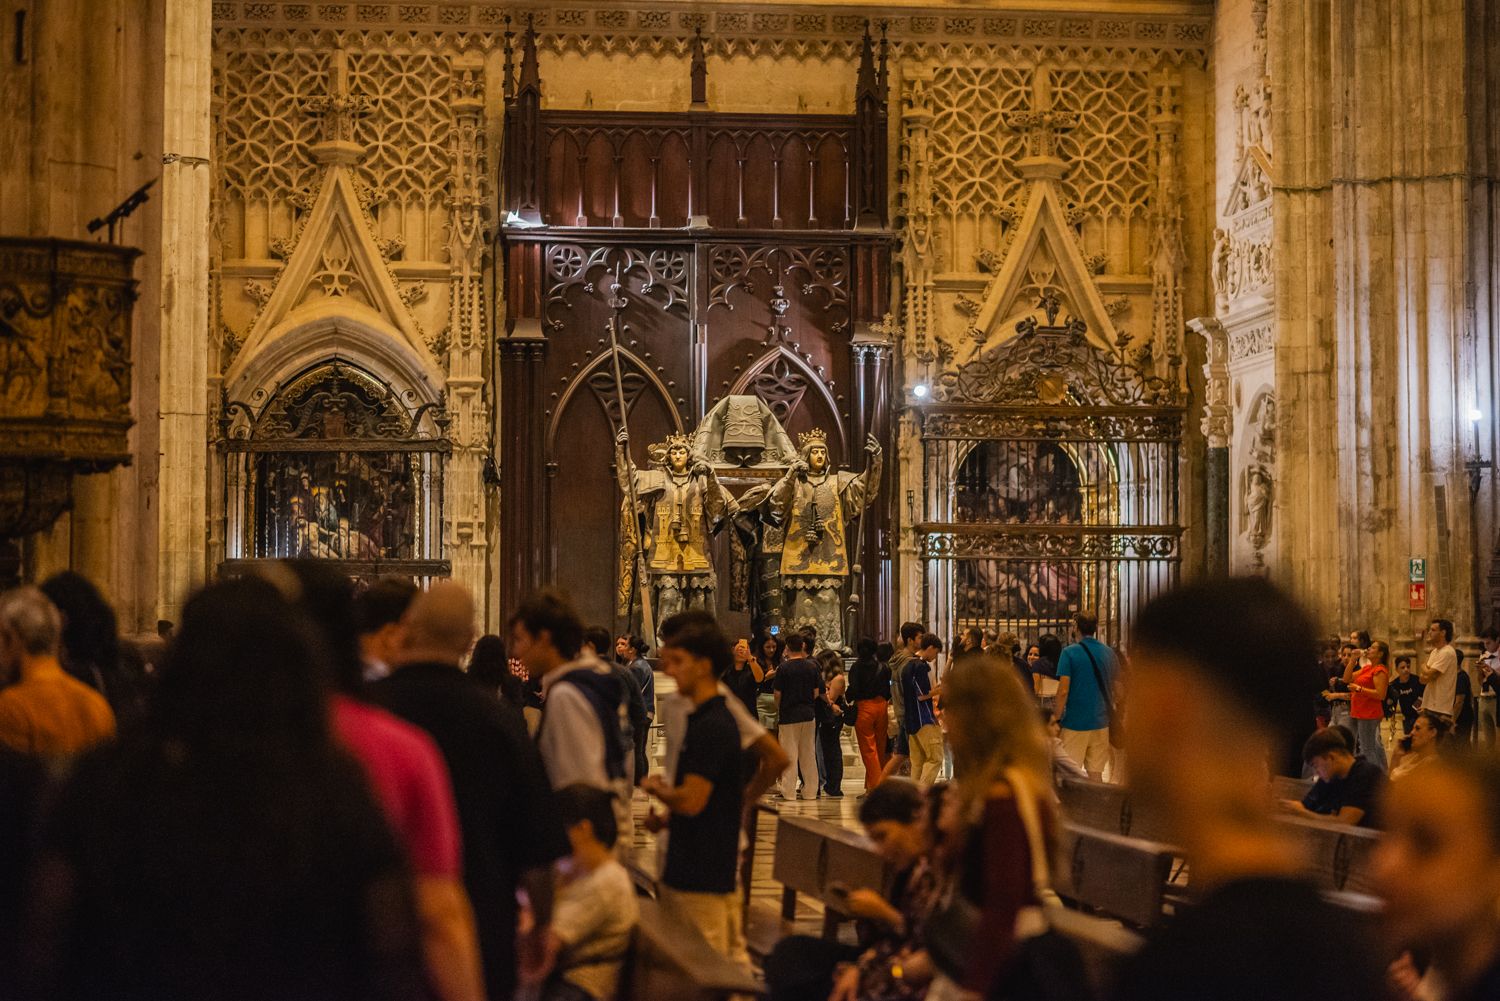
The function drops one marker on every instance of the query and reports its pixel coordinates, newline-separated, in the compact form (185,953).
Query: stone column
(465,504)
(182,484)
(1217,425)
(1374,308)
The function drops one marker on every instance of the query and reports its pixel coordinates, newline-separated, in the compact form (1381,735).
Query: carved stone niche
(65,314)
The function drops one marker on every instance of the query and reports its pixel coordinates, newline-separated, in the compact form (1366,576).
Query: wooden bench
(1102,943)
(1338,854)
(1124,878)
(813,856)
(1286,787)
(670,960)
(1103,806)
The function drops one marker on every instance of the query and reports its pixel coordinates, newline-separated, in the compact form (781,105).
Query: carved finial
(509,89)
(1042,122)
(883,76)
(531,74)
(700,70)
(338,109)
(866,84)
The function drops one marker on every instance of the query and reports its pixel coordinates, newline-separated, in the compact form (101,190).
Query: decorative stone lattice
(1108,150)
(265,133)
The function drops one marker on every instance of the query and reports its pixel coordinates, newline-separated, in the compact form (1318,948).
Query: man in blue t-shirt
(1086,674)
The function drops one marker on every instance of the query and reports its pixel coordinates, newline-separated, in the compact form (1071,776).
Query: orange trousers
(870,731)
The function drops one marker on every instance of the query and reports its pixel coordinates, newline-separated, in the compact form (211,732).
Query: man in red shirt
(410,781)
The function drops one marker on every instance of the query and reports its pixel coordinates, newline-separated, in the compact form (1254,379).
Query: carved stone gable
(336,266)
(1044,256)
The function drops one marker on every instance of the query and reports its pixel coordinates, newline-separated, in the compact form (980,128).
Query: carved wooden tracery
(749,250)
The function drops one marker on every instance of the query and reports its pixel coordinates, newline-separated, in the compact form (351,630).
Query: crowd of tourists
(310,789)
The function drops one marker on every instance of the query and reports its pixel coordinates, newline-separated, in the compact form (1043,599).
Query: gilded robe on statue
(681,504)
(814,504)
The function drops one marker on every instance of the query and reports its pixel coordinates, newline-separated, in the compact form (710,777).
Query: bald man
(511,829)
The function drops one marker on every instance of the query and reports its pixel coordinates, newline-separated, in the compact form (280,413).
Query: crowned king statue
(681,503)
(814,504)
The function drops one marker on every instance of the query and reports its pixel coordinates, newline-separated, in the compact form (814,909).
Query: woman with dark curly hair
(227,849)
(91,645)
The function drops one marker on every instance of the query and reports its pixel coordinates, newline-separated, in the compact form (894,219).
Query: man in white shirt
(1440,675)
(595,911)
(576,748)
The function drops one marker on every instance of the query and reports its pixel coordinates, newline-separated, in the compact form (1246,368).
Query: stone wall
(1384,232)
(82,120)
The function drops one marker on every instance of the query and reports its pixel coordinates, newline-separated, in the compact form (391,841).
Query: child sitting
(595,910)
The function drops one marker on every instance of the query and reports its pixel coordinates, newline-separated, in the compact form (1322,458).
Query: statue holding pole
(681,503)
(815,503)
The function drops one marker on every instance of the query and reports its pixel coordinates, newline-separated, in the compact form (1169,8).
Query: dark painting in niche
(336,505)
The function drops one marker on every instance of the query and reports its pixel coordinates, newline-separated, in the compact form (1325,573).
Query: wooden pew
(1110,808)
(1096,805)
(1103,944)
(671,961)
(1286,787)
(1339,854)
(1124,878)
(812,856)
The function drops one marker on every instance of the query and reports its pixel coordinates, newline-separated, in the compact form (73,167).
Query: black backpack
(605,698)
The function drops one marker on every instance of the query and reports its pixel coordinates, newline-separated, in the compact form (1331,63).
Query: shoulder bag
(1114,712)
(1048,965)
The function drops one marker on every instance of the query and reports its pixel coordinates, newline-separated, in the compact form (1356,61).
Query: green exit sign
(1418,567)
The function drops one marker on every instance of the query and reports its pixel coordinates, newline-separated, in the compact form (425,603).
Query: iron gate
(1050,469)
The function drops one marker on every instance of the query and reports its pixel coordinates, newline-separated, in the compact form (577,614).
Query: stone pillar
(1375,317)
(1217,425)
(465,504)
(182,483)
(872,416)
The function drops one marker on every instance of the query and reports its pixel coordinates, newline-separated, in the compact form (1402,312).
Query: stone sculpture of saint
(682,504)
(814,504)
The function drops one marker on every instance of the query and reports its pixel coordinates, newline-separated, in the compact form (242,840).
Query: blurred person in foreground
(228,849)
(91,648)
(410,781)
(1438,867)
(1257,929)
(596,909)
(44,711)
(1003,824)
(506,811)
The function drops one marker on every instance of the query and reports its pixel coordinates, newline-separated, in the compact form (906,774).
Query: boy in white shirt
(595,911)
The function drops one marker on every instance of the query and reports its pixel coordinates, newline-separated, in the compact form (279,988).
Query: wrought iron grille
(335,467)
(1050,471)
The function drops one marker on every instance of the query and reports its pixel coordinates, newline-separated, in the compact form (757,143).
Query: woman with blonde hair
(1001,777)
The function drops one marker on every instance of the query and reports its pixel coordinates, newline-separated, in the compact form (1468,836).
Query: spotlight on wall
(919,390)
(1474,415)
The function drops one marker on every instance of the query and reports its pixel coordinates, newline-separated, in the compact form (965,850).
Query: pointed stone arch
(335,271)
(1043,234)
(630,365)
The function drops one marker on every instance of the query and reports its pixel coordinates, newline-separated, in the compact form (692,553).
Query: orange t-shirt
(49,712)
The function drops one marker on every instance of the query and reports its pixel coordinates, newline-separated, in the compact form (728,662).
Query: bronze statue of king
(814,504)
(681,503)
